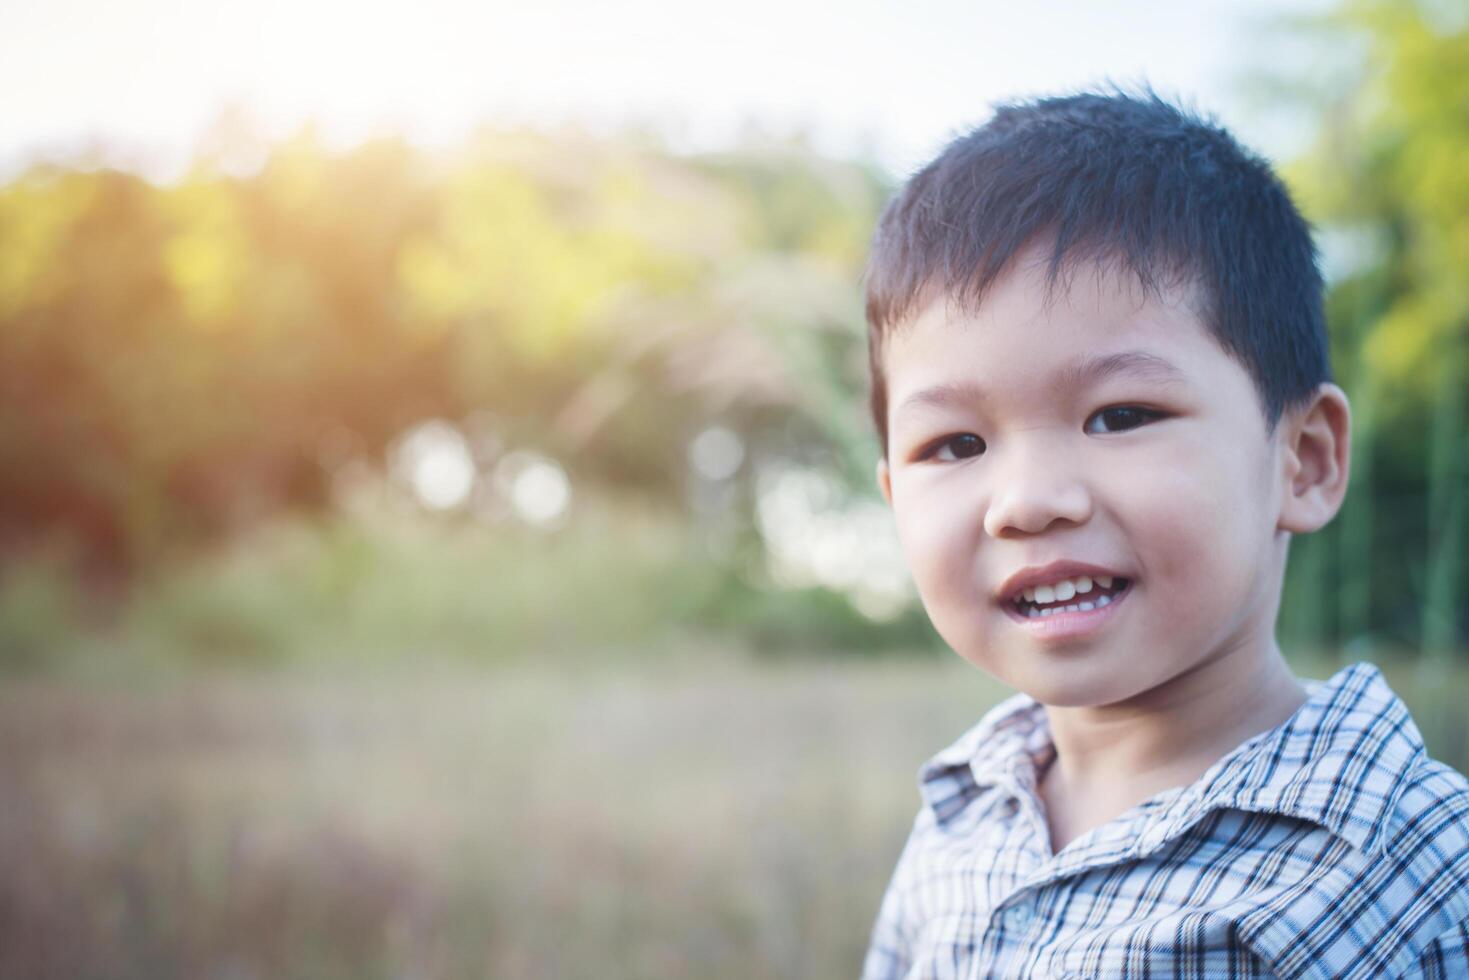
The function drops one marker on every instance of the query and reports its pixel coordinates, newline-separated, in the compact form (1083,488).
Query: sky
(143,79)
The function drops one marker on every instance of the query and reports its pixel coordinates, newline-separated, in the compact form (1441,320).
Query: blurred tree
(1385,180)
(178,363)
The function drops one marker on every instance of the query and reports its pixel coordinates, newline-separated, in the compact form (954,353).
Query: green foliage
(387,583)
(815,622)
(39,608)
(173,360)
(1384,181)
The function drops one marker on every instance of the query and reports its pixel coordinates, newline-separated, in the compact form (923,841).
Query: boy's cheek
(927,551)
(935,545)
(932,519)
(1189,557)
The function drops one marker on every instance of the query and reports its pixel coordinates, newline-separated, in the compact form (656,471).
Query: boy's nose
(1035,491)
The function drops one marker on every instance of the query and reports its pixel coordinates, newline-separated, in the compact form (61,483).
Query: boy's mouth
(1081,593)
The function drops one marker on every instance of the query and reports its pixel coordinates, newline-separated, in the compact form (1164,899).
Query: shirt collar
(1339,761)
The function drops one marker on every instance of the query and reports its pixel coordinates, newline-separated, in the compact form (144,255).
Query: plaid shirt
(1329,846)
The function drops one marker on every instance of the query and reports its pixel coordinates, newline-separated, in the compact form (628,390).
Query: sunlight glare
(433,459)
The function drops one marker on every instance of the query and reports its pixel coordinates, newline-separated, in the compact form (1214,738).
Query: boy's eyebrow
(1079,373)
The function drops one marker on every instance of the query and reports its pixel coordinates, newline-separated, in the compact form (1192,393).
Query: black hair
(1128,179)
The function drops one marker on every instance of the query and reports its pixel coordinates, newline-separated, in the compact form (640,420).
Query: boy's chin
(1069,697)
(1082,691)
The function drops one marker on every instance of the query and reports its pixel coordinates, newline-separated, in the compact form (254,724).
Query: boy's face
(1031,460)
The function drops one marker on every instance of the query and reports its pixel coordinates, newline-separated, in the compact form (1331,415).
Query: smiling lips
(1063,598)
(1079,594)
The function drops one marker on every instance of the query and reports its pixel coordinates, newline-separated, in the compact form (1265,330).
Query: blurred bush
(620,580)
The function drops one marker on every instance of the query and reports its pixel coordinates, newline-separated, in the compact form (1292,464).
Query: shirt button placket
(1018,915)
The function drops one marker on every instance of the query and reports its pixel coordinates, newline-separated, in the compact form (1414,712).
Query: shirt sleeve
(1447,957)
(890,949)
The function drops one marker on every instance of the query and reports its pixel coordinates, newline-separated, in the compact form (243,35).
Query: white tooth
(1103,600)
(1030,594)
(1064,590)
(1083,584)
(1086,606)
(1105,581)
(1044,593)
(1047,612)
(1073,608)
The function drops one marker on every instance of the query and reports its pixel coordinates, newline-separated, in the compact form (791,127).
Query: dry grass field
(718,820)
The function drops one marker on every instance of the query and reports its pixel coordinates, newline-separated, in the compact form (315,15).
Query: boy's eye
(965,445)
(1120,418)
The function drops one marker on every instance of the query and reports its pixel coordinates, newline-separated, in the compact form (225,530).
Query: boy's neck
(1170,735)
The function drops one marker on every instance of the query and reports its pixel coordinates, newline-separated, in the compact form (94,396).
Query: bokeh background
(437,526)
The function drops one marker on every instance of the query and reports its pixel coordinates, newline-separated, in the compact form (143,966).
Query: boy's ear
(883,482)
(1317,444)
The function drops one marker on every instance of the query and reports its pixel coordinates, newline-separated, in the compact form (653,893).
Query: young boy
(1100,379)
